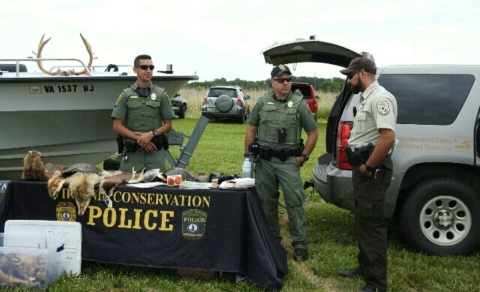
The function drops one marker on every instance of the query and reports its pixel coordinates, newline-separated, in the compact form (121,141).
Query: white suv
(226,102)
(435,188)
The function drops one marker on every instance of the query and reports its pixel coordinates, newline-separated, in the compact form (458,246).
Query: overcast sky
(222,38)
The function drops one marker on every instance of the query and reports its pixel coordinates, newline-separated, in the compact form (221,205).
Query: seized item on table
(82,186)
(185,174)
(151,174)
(146,185)
(195,185)
(202,177)
(33,168)
(214,183)
(55,184)
(110,181)
(79,167)
(238,183)
(174,180)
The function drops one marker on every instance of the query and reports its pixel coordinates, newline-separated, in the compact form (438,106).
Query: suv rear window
(434,99)
(216,92)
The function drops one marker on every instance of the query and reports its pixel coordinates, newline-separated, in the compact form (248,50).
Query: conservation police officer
(142,114)
(372,140)
(276,124)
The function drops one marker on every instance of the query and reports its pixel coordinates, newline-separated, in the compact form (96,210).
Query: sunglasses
(351,74)
(281,80)
(145,67)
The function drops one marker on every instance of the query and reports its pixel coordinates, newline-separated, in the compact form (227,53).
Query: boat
(64,114)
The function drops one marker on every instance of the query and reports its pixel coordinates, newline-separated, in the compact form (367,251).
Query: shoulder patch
(119,99)
(383,108)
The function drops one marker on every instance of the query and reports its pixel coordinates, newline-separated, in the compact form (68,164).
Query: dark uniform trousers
(370,226)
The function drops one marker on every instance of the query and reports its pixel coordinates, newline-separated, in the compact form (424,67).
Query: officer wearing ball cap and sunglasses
(141,116)
(276,124)
(374,132)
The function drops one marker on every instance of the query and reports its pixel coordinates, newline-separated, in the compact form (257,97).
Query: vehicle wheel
(181,112)
(441,216)
(241,119)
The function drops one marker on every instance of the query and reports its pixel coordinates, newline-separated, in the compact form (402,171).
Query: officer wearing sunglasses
(142,115)
(276,124)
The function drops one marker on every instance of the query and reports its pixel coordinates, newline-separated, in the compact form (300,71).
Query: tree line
(334,84)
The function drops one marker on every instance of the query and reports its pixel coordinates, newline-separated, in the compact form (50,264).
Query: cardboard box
(29,267)
(203,274)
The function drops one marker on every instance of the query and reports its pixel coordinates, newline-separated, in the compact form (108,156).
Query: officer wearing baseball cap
(359,64)
(279,70)
(276,122)
(373,129)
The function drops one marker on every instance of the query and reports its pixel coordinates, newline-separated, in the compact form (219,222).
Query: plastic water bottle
(247,166)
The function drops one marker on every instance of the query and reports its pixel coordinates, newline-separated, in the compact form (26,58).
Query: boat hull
(67,119)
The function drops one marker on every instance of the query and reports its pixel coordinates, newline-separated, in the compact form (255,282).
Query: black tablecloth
(220,230)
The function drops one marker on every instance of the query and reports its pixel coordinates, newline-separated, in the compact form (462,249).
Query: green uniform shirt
(143,113)
(302,117)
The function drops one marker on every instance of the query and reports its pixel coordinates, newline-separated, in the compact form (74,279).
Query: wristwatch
(305,156)
(369,168)
(155,133)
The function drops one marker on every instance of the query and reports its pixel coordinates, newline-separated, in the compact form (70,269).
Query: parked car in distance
(435,188)
(226,102)
(308,92)
(179,105)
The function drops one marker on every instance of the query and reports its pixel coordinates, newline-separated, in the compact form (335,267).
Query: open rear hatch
(314,51)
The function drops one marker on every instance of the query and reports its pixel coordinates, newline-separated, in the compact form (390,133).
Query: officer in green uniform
(276,124)
(142,112)
(374,124)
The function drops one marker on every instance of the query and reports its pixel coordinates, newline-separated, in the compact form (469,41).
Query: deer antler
(41,44)
(90,53)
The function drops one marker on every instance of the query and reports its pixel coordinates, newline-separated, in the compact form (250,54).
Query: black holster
(359,155)
(129,145)
(160,141)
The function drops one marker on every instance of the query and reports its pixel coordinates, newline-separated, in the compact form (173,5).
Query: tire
(224,103)
(181,112)
(441,216)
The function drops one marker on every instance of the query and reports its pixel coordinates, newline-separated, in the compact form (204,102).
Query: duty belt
(267,153)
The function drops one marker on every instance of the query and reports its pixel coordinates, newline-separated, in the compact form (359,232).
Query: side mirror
(317,97)
(246,97)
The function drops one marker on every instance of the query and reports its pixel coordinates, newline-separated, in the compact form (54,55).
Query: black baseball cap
(360,63)
(279,70)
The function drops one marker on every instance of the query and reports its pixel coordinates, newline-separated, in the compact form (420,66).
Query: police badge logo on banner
(66,211)
(193,224)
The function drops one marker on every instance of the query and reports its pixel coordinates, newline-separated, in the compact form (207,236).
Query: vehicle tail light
(344,130)
(205,100)
(239,101)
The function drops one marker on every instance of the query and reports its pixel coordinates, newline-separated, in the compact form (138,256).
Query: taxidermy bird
(82,186)
(33,167)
